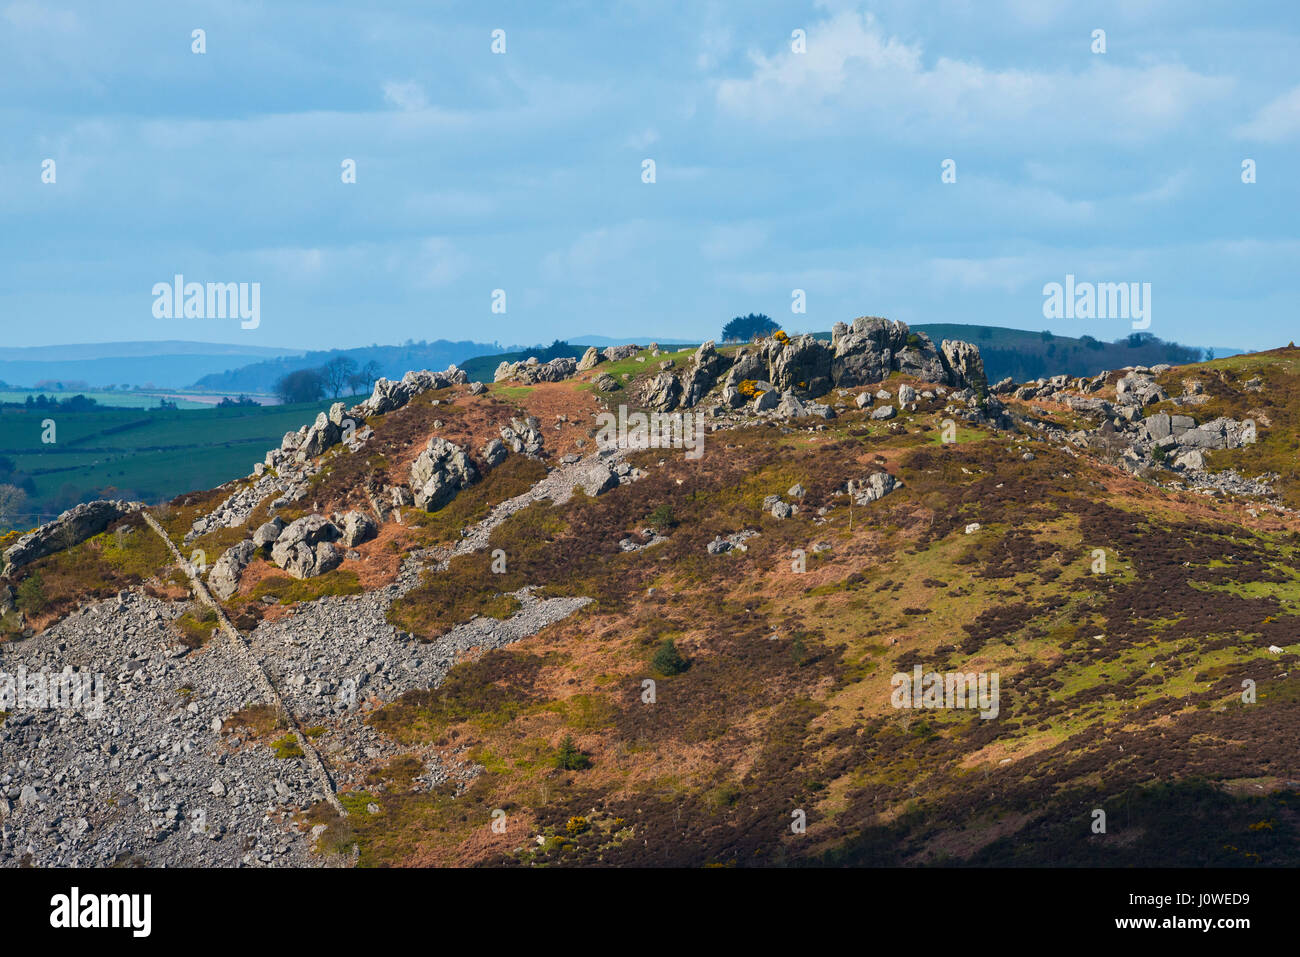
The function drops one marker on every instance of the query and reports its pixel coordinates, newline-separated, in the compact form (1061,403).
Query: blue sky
(522,171)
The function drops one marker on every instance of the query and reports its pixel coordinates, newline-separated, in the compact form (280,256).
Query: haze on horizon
(522,171)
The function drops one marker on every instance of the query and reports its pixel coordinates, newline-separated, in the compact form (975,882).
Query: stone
(884,412)
(439,472)
(590,359)
(268,532)
(71,528)
(357,527)
(223,579)
(663,392)
(906,394)
(494,453)
(598,479)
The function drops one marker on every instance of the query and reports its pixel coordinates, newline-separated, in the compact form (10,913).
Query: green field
(147,454)
(117,400)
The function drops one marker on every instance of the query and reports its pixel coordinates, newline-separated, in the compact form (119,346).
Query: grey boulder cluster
(71,528)
(784,373)
(310,546)
(530,372)
(523,436)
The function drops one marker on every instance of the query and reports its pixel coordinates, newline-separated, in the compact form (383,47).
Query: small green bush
(569,758)
(31,594)
(668,660)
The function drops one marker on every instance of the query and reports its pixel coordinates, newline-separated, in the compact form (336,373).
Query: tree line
(331,379)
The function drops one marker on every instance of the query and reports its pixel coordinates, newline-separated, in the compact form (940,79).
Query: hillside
(393,361)
(466,626)
(163,365)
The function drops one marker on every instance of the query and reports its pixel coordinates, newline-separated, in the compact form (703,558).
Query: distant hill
(165,365)
(1025,355)
(393,361)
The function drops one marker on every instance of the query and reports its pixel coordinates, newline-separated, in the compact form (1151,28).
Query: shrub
(569,758)
(31,594)
(667,659)
(662,517)
(748,388)
(287,747)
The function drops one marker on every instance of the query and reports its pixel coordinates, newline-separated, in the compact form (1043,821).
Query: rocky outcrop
(964,365)
(615,353)
(71,528)
(223,579)
(801,365)
(530,372)
(597,479)
(867,351)
(523,436)
(662,393)
(268,532)
(590,359)
(306,547)
(357,527)
(876,487)
(439,472)
(389,395)
(494,453)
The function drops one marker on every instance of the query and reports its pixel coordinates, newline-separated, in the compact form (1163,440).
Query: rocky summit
(804,599)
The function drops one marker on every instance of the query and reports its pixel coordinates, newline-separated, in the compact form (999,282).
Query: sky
(796,146)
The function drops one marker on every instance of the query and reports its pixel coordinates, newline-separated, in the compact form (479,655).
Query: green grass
(151,455)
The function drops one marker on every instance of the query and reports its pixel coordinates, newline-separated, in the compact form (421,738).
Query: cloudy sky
(775,170)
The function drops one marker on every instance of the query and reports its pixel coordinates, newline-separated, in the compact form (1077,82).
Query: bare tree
(337,373)
(12,502)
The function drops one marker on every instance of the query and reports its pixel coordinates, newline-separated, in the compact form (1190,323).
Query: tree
(569,758)
(668,660)
(304,385)
(336,374)
(364,378)
(12,500)
(745,328)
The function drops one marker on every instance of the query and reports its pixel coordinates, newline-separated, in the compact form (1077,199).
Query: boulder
(71,528)
(801,365)
(494,453)
(268,532)
(439,472)
(662,393)
(884,412)
(223,579)
(906,394)
(876,486)
(590,359)
(298,551)
(965,366)
(615,353)
(598,479)
(357,527)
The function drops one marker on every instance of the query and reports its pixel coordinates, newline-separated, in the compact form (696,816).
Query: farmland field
(147,454)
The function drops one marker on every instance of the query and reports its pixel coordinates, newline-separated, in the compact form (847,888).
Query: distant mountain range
(233,368)
(168,364)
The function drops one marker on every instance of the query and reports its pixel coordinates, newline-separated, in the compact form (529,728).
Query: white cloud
(853,70)
(407,96)
(1276,121)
